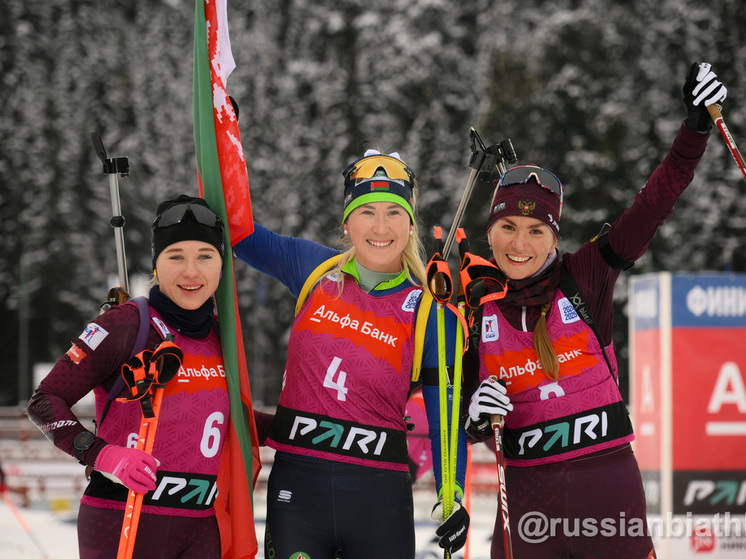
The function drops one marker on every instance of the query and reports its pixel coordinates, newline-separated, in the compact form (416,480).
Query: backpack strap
(470,359)
(420,327)
(319,272)
(144,328)
(569,287)
(141,341)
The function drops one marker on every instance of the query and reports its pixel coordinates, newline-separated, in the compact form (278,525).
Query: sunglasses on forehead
(522,174)
(177,214)
(368,168)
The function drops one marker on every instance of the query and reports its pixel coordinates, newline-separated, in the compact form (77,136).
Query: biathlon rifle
(113,167)
(492,161)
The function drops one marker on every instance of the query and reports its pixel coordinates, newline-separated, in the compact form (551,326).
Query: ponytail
(543,346)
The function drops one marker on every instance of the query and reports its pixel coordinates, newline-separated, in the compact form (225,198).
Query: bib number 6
(210,442)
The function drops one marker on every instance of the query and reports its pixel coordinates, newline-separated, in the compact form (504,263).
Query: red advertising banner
(646,393)
(688,403)
(709,395)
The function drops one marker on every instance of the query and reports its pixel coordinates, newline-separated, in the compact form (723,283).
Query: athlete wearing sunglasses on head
(349,368)
(591,474)
(194,420)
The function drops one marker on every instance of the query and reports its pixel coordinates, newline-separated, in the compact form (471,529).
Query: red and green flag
(224,184)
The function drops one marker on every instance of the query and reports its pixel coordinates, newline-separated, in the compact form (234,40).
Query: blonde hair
(412,257)
(543,346)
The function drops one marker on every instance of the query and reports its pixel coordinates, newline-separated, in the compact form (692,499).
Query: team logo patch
(75,354)
(300,555)
(410,303)
(567,311)
(490,332)
(93,335)
(527,207)
(161,326)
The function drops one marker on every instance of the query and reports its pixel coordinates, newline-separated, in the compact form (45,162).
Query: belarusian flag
(220,155)
(224,184)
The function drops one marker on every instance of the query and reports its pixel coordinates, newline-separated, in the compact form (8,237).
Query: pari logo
(725,301)
(716,493)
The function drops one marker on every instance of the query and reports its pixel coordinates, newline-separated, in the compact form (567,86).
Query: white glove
(491,398)
(708,89)
(701,89)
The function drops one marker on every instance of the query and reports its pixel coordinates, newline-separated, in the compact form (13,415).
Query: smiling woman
(379,231)
(549,339)
(189,273)
(521,245)
(187,247)
(349,367)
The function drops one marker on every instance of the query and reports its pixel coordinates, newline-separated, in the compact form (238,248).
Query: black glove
(452,532)
(479,430)
(701,88)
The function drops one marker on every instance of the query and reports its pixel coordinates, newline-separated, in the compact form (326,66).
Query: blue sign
(702,300)
(645,307)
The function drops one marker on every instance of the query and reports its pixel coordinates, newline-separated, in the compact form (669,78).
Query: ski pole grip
(715,113)
(497,420)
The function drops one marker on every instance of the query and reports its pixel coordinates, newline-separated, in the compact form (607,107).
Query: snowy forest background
(590,89)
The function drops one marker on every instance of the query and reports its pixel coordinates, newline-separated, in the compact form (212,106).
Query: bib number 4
(339,383)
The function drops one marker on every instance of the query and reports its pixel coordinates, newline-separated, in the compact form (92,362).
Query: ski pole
(133,508)
(717,117)
(22,522)
(476,269)
(114,167)
(461,333)
(162,365)
(440,286)
(497,425)
(440,289)
(483,160)
(467,496)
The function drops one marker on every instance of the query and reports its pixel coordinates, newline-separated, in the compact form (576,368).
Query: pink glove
(132,468)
